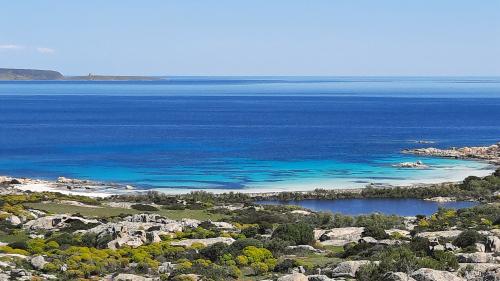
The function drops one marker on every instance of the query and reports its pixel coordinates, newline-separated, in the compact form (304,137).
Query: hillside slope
(29,74)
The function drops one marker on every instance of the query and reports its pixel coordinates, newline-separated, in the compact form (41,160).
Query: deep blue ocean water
(367,206)
(245,133)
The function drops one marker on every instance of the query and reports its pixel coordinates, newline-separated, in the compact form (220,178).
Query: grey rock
(427,274)
(38,262)
(448,234)
(206,241)
(340,236)
(318,277)
(475,257)
(480,247)
(304,248)
(480,271)
(397,276)
(130,277)
(493,244)
(55,222)
(166,268)
(368,240)
(293,277)
(348,268)
(450,247)
(14,220)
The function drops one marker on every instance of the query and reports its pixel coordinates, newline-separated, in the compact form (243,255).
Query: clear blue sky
(268,37)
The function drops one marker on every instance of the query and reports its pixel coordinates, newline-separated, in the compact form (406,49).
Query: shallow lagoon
(402,207)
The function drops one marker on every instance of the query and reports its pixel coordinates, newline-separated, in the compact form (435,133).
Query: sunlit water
(245,134)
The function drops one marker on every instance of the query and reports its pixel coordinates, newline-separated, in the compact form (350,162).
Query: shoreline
(99,189)
(488,154)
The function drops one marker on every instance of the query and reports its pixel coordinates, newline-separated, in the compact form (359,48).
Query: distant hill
(29,74)
(11,74)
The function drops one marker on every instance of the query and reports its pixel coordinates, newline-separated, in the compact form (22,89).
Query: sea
(247,134)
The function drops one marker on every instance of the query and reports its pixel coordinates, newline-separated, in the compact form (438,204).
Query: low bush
(144,207)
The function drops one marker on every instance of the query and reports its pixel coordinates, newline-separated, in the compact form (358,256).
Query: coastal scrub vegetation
(220,240)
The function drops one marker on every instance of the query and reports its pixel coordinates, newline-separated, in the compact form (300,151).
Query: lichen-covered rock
(427,274)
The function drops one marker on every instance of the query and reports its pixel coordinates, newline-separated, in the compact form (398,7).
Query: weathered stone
(318,277)
(493,244)
(55,222)
(475,257)
(368,240)
(301,212)
(223,225)
(397,276)
(448,234)
(450,247)
(4,277)
(293,277)
(129,277)
(38,262)
(304,248)
(206,241)
(480,271)
(14,220)
(166,268)
(480,247)
(401,232)
(348,268)
(342,236)
(427,274)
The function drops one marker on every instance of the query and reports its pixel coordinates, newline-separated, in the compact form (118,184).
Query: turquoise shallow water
(245,134)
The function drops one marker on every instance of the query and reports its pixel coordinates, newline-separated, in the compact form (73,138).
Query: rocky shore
(490,153)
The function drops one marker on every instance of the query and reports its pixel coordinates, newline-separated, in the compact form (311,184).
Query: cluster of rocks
(417,164)
(56,222)
(140,229)
(491,152)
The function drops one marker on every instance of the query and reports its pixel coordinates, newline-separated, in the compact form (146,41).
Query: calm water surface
(402,207)
(245,133)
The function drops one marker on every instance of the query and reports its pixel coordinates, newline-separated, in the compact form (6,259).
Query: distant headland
(12,74)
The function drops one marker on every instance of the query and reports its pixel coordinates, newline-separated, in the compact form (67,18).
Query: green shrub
(376,232)
(295,233)
(467,238)
(144,207)
(214,251)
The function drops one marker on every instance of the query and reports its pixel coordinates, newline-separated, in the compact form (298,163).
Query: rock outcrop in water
(490,153)
(417,164)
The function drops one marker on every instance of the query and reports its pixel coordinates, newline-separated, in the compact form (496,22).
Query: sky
(257,37)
